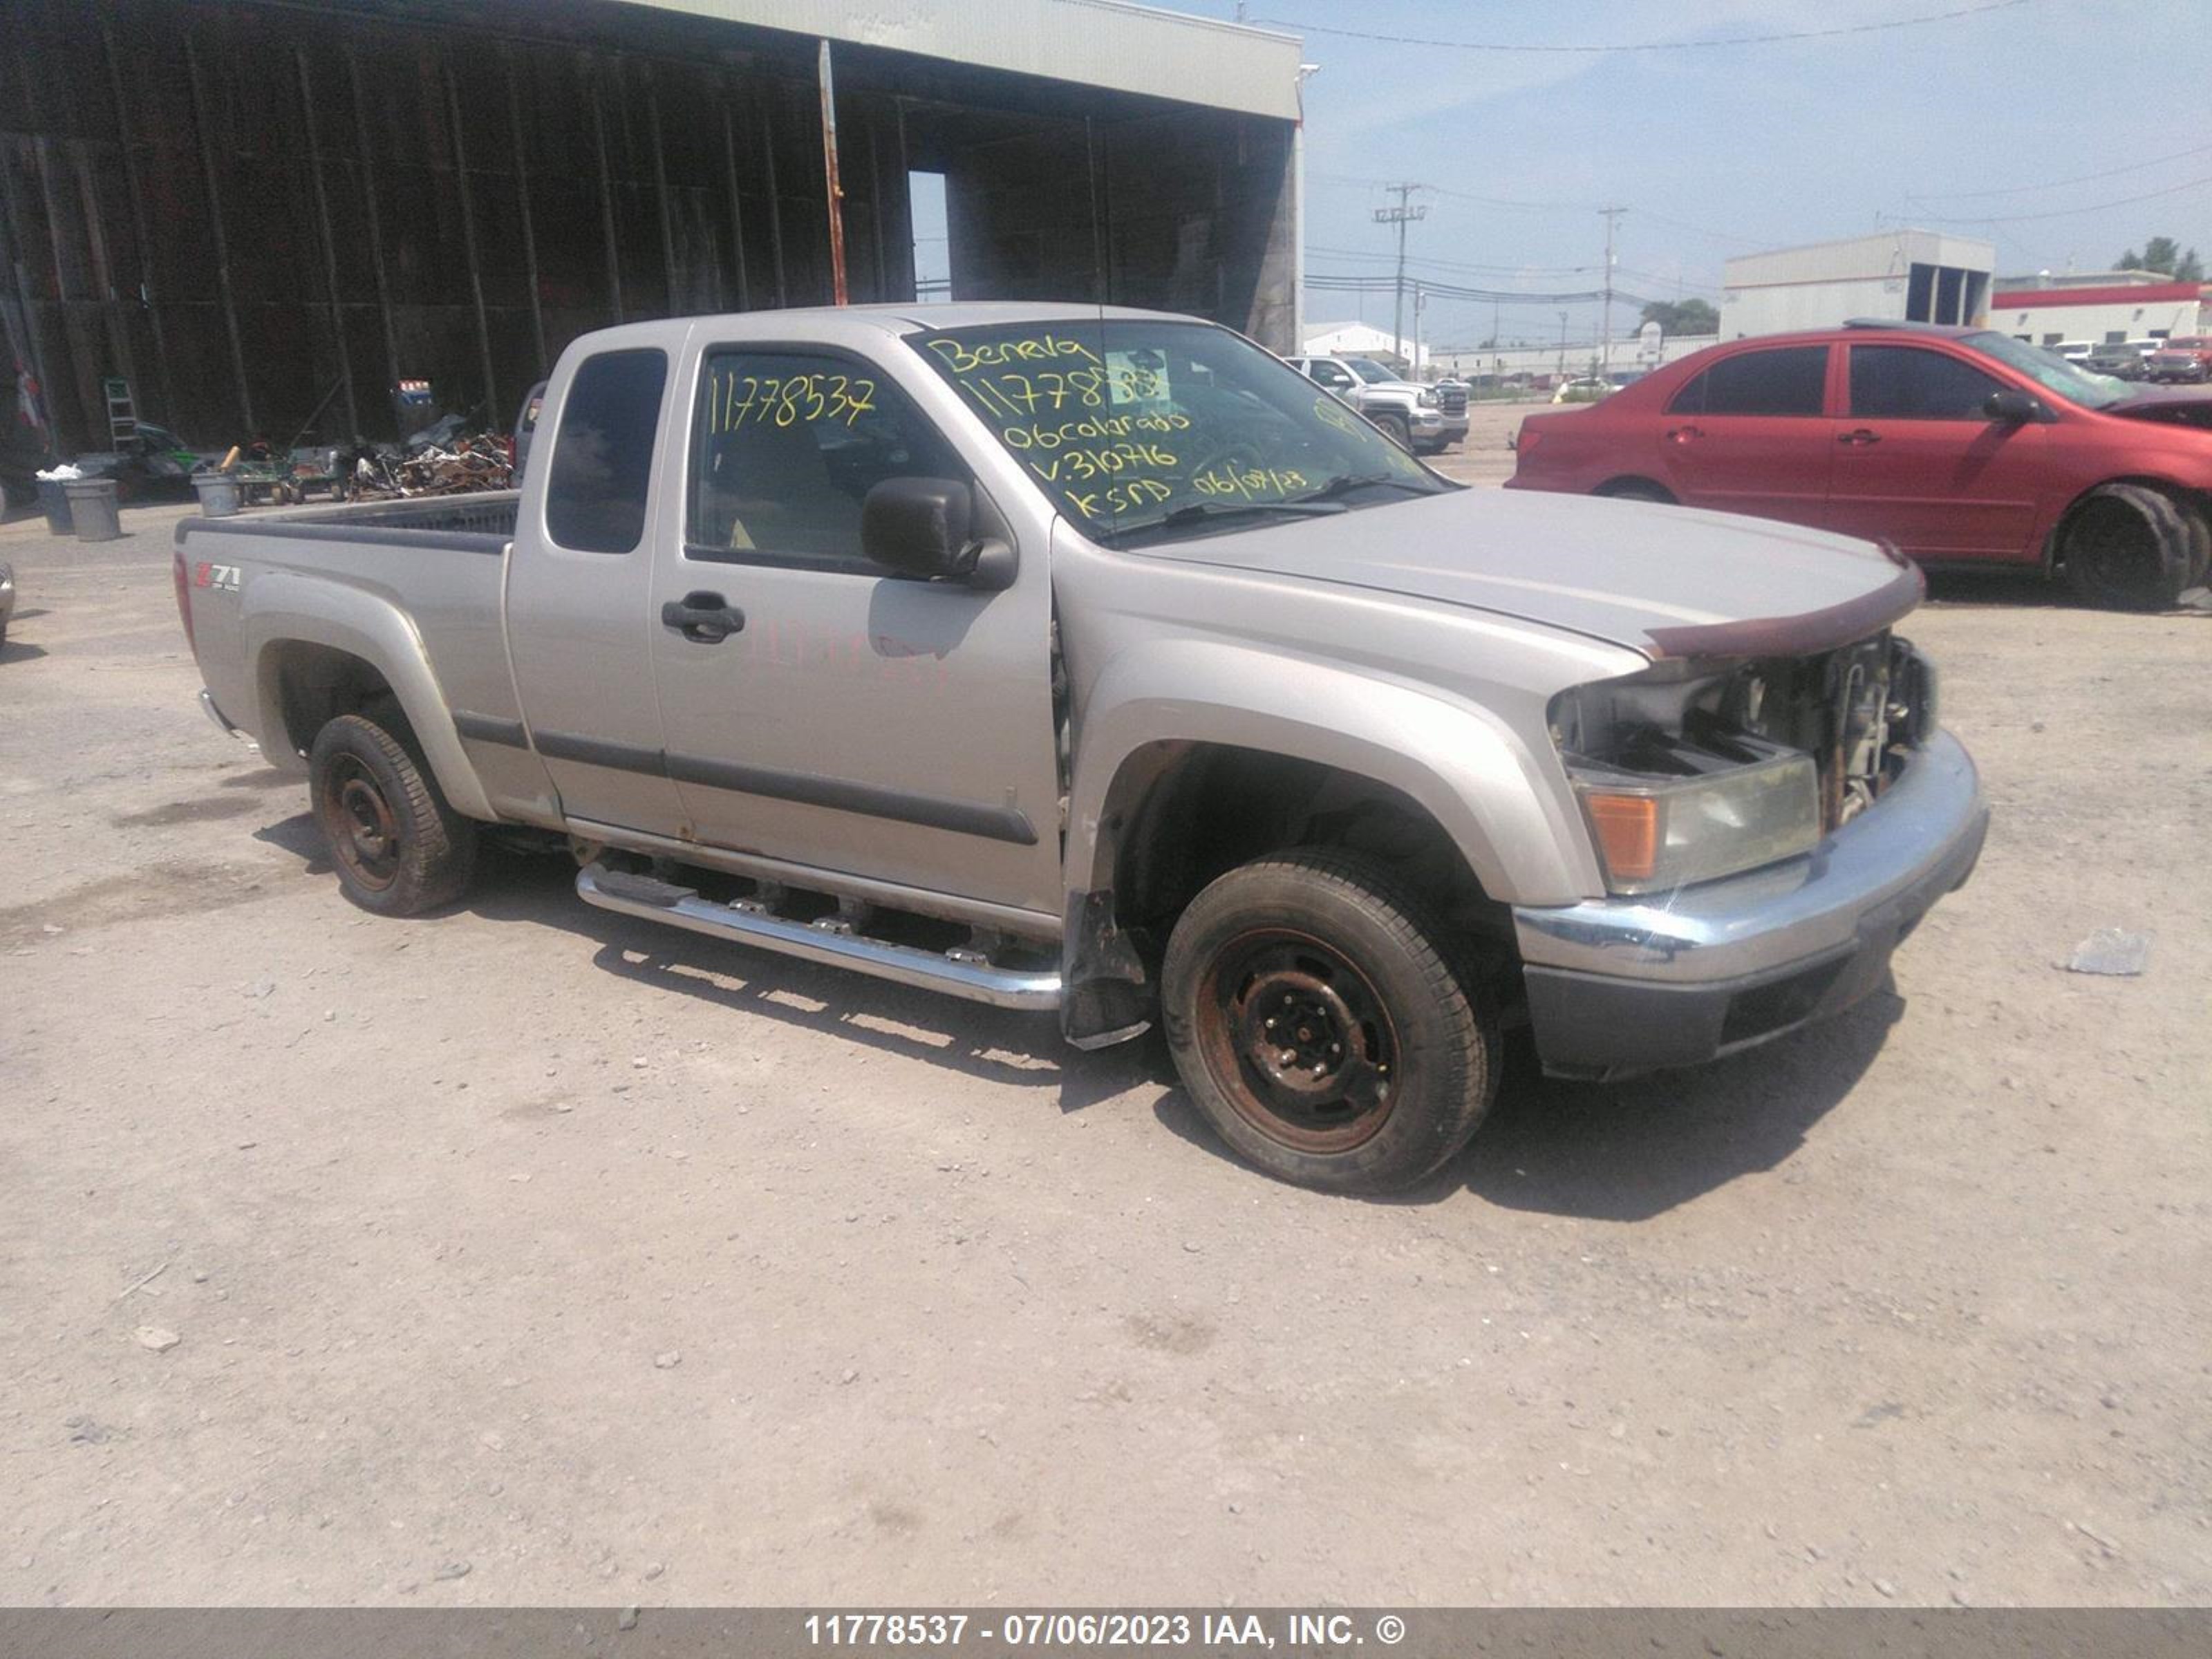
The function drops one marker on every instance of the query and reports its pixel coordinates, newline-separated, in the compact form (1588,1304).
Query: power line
(2060,184)
(1376,282)
(1652,46)
(1314,176)
(1455,264)
(2068,213)
(1699,230)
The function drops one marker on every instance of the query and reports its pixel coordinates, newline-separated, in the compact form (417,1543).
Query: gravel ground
(530,1254)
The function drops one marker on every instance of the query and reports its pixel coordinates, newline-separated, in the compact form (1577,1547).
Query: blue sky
(1734,148)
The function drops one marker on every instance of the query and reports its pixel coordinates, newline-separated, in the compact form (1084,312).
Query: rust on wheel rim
(1298,1039)
(359,823)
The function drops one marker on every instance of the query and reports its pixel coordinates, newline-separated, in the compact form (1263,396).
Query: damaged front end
(1690,771)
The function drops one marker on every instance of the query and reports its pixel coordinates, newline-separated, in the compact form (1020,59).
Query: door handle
(1682,434)
(1859,435)
(702,618)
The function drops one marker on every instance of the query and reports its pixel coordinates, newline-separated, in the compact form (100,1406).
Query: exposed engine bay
(1857,711)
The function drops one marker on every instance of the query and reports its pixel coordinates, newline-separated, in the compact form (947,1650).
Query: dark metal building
(265,214)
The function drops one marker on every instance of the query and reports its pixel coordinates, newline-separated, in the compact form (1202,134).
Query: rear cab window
(1779,380)
(598,487)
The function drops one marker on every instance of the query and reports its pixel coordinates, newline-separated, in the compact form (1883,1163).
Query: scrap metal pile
(441,461)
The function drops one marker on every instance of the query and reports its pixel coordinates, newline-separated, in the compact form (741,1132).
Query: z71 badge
(223,578)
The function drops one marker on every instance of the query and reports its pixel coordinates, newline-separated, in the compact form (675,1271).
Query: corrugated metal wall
(256,211)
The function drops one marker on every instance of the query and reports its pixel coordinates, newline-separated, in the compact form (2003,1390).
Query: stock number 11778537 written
(1028,1630)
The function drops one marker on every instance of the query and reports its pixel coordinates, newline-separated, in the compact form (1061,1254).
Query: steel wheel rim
(1299,1040)
(359,823)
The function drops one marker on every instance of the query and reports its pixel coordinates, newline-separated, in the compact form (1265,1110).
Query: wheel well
(2196,500)
(1629,483)
(1210,807)
(316,684)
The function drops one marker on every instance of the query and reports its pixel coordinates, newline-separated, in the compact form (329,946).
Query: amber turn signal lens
(1628,828)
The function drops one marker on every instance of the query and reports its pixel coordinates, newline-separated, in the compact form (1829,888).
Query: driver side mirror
(2012,408)
(924,528)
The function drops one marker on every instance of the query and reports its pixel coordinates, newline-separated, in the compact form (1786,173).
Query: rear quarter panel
(427,617)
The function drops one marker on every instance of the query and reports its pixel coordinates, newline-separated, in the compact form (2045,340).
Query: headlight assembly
(1657,832)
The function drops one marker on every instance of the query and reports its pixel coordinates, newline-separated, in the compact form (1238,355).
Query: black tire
(399,847)
(2127,547)
(2197,520)
(1395,429)
(1635,489)
(1407,1037)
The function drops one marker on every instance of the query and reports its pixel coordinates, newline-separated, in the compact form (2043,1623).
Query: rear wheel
(1319,1021)
(1635,489)
(2127,547)
(399,847)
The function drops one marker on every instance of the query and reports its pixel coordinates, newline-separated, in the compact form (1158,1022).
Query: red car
(1957,446)
(2186,359)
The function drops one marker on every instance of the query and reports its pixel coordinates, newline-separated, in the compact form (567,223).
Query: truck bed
(403,582)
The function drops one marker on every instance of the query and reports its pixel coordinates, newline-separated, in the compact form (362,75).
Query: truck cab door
(577,628)
(818,709)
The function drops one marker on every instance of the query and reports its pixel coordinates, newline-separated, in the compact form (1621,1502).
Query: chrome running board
(830,943)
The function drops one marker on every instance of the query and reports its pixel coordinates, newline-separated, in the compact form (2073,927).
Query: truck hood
(1664,580)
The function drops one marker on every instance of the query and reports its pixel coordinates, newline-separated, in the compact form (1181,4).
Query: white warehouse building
(1901,276)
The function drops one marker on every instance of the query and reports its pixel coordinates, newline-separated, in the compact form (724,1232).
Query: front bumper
(1623,985)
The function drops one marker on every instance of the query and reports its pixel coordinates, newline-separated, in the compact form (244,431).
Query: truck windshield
(1144,430)
(2049,371)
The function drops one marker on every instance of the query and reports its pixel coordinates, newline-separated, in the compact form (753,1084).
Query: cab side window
(597,494)
(786,445)
(1783,381)
(1334,376)
(1906,383)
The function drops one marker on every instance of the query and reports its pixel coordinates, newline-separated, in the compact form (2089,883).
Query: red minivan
(1957,446)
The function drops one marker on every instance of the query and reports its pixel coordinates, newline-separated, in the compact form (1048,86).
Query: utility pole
(1605,346)
(1421,304)
(1562,345)
(1400,215)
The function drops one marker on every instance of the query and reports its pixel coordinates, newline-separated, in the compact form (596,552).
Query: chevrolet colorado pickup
(1094,661)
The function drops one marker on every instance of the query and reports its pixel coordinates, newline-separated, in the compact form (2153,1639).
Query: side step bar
(682,907)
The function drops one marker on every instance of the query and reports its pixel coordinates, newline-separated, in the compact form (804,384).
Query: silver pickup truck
(1095,661)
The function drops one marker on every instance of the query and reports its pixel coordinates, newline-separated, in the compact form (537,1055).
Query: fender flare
(1454,758)
(284,607)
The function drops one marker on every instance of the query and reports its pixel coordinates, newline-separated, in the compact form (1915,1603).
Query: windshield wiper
(1345,483)
(1200,512)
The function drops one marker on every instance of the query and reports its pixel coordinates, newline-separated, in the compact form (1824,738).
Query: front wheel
(2129,548)
(1319,1020)
(1395,429)
(399,847)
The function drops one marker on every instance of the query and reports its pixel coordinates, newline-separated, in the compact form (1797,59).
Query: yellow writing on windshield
(964,359)
(1135,430)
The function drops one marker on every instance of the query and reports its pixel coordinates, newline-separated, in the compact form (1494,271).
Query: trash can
(92,506)
(53,501)
(218,493)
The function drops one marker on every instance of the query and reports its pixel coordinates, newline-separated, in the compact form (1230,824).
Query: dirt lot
(530,1254)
